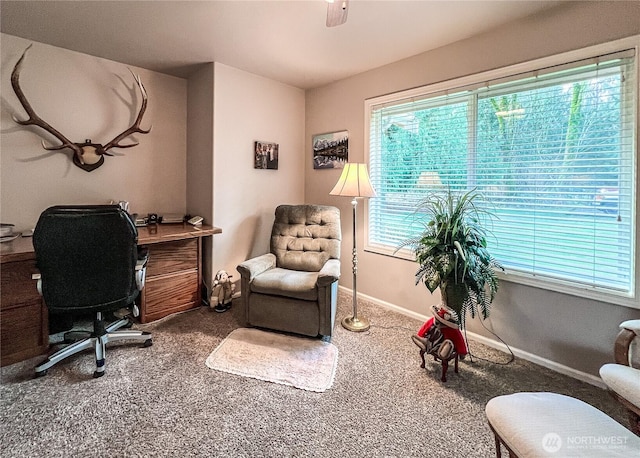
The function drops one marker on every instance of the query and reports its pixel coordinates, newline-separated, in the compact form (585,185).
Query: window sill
(559,286)
(535,281)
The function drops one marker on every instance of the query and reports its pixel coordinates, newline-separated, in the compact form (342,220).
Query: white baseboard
(560,368)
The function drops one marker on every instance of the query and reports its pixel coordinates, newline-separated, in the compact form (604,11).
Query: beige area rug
(308,364)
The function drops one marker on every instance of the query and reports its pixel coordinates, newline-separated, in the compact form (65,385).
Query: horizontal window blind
(552,152)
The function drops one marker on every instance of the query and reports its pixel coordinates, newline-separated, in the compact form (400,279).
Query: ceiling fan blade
(337,12)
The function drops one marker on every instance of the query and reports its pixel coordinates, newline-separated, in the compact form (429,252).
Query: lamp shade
(354,182)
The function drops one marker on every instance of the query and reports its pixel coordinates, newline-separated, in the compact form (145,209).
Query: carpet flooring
(163,401)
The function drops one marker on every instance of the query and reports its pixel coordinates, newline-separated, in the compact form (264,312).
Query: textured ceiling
(287,41)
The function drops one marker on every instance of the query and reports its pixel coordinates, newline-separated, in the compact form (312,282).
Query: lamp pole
(353,323)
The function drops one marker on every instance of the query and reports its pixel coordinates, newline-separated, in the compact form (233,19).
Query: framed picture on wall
(330,151)
(265,155)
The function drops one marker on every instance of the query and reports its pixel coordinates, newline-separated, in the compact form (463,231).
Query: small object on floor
(222,292)
(440,337)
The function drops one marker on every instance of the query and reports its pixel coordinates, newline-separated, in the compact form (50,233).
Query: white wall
(570,331)
(88,97)
(248,108)
(200,156)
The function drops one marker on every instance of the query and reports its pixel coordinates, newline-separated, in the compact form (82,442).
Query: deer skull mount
(88,156)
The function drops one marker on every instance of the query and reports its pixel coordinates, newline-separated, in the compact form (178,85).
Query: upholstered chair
(294,288)
(89,262)
(623,377)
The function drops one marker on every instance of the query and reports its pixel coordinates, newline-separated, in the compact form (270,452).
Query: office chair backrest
(305,237)
(87,257)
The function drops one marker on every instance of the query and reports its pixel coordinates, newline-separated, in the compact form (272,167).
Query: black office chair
(89,263)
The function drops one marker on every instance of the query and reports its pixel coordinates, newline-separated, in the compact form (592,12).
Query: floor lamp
(354,182)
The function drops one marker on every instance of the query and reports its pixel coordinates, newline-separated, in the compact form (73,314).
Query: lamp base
(355,324)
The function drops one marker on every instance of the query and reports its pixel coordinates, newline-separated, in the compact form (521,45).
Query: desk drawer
(17,287)
(23,315)
(169,257)
(24,332)
(169,294)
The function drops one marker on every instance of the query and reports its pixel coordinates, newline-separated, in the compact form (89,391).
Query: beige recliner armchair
(294,288)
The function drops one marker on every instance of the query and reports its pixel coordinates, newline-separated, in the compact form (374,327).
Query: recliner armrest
(255,266)
(329,273)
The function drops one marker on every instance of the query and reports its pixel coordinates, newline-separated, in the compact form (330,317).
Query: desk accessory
(195,221)
(6,232)
(171,218)
(8,238)
(139,221)
(6,229)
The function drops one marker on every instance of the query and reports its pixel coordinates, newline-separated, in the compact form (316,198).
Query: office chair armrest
(255,266)
(141,268)
(39,282)
(329,273)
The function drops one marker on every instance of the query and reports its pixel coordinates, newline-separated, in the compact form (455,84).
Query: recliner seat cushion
(289,283)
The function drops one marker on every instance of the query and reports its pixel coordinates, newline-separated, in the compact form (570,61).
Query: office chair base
(98,343)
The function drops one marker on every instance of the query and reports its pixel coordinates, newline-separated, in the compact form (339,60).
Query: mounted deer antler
(88,156)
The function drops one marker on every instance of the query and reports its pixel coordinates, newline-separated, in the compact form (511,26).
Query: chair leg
(498,451)
(100,337)
(117,325)
(445,367)
(634,421)
(116,336)
(41,369)
(142,336)
(100,354)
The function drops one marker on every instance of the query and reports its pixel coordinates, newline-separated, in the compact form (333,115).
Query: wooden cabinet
(23,315)
(174,270)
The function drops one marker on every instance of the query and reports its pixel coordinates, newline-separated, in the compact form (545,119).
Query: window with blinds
(553,152)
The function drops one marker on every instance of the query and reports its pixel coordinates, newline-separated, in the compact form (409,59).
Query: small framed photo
(330,151)
(265,155)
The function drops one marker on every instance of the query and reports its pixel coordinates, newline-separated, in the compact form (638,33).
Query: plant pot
(453,296)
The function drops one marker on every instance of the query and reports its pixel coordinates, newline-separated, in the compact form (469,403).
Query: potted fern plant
(452,252)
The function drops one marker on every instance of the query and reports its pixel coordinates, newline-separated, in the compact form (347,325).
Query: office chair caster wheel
(41,373)
(148,343)
(98,374)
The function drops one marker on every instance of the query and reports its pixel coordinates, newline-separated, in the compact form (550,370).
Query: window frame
(515,72)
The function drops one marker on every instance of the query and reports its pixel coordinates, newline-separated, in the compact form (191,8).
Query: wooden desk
(24,322)
(174,271)
(173,284)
